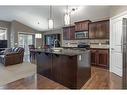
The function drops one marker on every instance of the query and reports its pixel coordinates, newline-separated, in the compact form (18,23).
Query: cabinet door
(107,29)
(102,29)
(93,57)
(72,33)
(81,26)
(44,64)
(103,60)
(92,30)
(69,33)
(99,32)
(66,33)
(77,26)
(85,25)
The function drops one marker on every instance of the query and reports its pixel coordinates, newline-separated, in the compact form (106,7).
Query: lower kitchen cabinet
(100,57)
(44,67)
(93,57)
(72,71)
(63,70)
(103,58)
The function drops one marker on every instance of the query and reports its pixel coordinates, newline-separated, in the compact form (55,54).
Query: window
(38,35)
(3,34)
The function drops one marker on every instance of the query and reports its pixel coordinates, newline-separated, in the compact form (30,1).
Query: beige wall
(117,9)
(6,24)
(17,27)
(38,42)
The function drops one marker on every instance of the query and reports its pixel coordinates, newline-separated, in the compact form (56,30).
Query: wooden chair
(32,54)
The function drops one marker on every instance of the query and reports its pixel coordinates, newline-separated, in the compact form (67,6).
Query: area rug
(15,72)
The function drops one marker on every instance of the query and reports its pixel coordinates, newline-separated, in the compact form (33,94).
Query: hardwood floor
(100,79)
(24,83)
(45,83)
(103,79)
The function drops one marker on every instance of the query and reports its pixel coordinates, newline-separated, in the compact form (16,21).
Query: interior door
(116,46)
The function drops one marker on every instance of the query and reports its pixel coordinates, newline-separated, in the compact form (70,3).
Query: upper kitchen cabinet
(82,26)
(99,30)
(69,33)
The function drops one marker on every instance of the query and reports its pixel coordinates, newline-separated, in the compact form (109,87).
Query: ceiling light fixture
(50,20)
(67,18)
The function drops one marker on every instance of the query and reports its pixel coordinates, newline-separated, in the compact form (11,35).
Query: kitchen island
(69,67)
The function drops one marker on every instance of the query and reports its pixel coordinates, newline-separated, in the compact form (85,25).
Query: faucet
(56,40)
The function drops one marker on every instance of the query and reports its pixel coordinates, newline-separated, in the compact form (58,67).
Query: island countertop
(68,52)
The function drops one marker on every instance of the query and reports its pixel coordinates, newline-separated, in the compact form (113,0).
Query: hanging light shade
(50,21)
(67,18)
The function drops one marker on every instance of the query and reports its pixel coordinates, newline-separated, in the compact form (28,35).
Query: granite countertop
(68,52)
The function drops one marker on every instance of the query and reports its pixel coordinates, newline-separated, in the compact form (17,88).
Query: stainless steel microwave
(81,35)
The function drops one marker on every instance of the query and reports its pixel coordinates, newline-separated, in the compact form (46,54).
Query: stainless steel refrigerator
(124,52)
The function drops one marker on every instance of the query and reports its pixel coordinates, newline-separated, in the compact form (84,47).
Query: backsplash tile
(74,43)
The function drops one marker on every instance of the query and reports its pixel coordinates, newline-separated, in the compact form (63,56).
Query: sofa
(12,56)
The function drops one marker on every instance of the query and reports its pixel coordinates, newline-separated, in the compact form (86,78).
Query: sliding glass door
(25,40)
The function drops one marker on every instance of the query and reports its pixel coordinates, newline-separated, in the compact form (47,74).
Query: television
(3,43)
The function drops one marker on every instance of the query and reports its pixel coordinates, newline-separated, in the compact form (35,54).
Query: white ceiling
(31,15)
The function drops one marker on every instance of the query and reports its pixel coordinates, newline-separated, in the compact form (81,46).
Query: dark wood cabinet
(103,58)
(44,67)
(69,33)
(99,30)
(63,70)
(92,30)
(93,57)
(82,25)
(100,57)
(70,71)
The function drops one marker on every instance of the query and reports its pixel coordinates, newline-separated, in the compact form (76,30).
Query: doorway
(24,40)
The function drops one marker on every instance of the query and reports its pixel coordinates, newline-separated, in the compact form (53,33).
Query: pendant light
(50,20)
(67,18)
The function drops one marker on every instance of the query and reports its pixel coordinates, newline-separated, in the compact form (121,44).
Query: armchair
(12,56)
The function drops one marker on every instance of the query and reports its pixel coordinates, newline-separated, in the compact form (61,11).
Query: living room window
(3,34)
